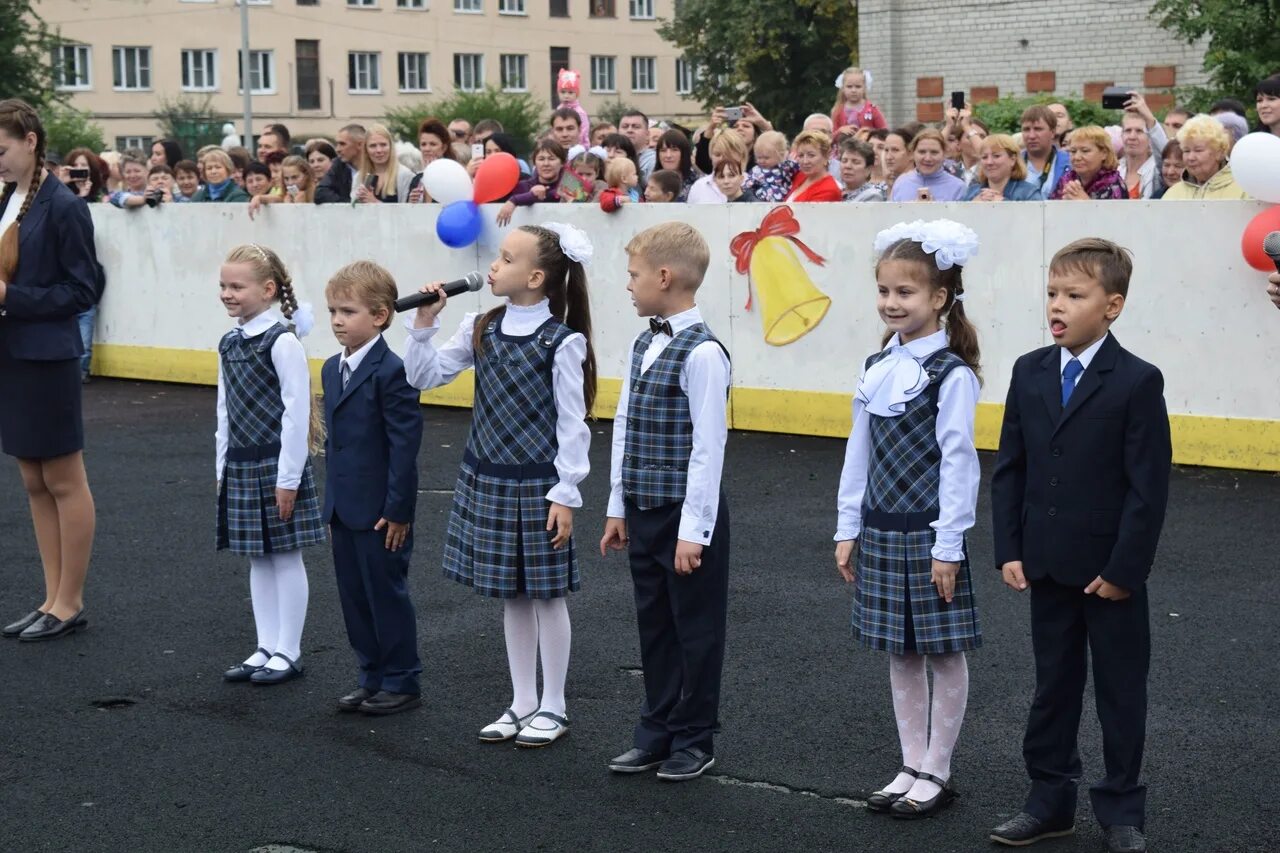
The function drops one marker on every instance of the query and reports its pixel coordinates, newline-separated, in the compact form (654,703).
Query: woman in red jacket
(812,152)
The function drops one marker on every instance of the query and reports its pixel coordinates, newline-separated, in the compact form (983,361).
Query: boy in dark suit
(374,425)
(1078,497)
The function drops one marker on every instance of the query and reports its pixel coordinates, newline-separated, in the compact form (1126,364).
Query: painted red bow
(780,222)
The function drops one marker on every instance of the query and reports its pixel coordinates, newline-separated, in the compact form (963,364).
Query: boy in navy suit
(1078,497)
(374,425)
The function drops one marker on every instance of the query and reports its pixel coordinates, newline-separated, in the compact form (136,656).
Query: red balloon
(1254,233)
(496,177)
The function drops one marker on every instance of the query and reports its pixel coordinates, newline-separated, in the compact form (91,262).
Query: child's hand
(1274,289)
(688,557)
(560,519)
(845,550)
(1106,589)
(615,536)
(396,533)
(944,578)
(504,213)
(284,502)
(1013,576)
(426,316)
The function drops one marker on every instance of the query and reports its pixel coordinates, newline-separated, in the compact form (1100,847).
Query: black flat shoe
(276,676)
(383,703)
(637,761)
(881,801)
(685,764)
(351,702)
(1023,830)
(22,624)
(908,809)
(242,671)
(1125,839)
(50,627)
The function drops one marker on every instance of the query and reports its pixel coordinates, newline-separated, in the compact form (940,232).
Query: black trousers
(682,629)
(1066,626)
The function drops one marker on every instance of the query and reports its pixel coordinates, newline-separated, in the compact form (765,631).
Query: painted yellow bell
(791,305)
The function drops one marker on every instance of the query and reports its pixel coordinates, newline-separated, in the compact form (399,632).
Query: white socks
(531,625)
(278,588)
(924,748)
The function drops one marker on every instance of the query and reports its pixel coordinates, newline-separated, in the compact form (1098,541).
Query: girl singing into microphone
(510,533)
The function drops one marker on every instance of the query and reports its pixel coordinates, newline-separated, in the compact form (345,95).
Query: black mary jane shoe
(22,624)
(908,809)
(242,671)
(50,627)
(881,801)
(276,676)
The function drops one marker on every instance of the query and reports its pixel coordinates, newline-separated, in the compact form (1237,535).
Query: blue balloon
(459,224)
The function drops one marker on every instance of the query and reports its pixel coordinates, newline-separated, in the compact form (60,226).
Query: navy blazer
(1082,492)
(374,429)
(57,277)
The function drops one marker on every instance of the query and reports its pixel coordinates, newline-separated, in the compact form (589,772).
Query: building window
(468,72)
(411,4)
(308,2)
(262,72)
(199,70)
(140,143)
(686,76)
(363,4)
(131,68)
(511,7)
(513,72)
(364,74)
(602,74)
(642,9)
(413,73)
(71,67)
(559,8)
(644,74)
(307,52)
(603,9)
(470,7)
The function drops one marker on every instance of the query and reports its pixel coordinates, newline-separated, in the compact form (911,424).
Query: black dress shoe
(1125,839)
(1022,829)
(351,702)
(243,671)
(881,801)
(637,761)
(22,624)
(276,676)
(50,627)
(383,703)
(908,809)
(685,764)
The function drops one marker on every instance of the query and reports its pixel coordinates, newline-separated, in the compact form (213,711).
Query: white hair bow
(950,243)
(574,242)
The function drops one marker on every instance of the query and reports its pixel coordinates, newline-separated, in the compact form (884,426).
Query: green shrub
(1005,115)
(68,128)
(191,122)
(521,114)
(610,112)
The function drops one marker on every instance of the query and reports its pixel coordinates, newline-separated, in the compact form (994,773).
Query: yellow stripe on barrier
(1216,442)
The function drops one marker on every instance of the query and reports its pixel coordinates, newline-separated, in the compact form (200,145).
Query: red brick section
(1160,76)
(1041,81)
(1093,91)
(1159,100)
(929,111)
(928,87)
(984,94)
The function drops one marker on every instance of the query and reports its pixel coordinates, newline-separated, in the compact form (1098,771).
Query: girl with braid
(268,507)
(48,276)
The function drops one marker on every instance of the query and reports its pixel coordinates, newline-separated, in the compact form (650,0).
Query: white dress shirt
(352,362)
(10,214)
(1086,357)
(704,378)
(290,361)
(959,474)
(427,368)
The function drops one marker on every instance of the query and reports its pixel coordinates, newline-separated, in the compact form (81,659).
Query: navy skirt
(40,416)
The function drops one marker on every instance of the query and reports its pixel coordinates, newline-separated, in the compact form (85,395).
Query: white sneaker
(533,735)
(505,727)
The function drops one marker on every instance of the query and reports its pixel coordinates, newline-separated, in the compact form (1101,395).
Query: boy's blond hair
(368,283)
(616,170)
(677,246)
(1101,260)
(775,140)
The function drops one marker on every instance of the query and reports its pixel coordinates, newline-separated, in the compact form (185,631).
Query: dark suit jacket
(371,450)
(1082,492)
(57,278)
(335,186)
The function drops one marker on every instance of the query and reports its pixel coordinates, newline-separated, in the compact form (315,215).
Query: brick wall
(1007,47)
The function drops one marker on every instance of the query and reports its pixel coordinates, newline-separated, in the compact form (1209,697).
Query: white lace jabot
(896,379)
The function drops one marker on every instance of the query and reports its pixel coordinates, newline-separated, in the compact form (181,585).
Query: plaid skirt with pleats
(248,520)
(497,540)
(895,566)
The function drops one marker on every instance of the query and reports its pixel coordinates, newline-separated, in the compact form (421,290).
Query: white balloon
(447,181)
(1255,164)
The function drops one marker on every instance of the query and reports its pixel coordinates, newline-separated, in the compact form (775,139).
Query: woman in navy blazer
(48,276)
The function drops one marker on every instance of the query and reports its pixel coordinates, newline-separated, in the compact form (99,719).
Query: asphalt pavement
(125,738)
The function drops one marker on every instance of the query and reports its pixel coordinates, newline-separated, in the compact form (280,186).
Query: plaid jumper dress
(497,540)
(248,521)
(895,607)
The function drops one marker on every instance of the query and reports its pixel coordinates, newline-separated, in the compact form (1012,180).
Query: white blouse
(427,368)
(885,391)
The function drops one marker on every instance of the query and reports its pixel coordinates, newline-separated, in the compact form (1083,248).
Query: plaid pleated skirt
(248,521)
(498,543)
(892,581)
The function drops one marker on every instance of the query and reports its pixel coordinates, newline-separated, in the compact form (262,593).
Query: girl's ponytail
(962,336)
(577,316)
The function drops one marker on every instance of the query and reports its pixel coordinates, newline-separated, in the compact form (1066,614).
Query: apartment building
(318,64)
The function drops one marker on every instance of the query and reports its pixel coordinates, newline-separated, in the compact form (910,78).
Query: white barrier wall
(1195,309)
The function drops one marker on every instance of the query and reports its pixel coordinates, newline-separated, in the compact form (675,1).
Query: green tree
(191,122)
(610,112)
(1243,39)
(68,128)
(1005,115)
(519,113)
(26,49)
(783,56)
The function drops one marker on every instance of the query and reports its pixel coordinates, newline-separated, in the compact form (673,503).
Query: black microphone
(1271,245)
(473,282)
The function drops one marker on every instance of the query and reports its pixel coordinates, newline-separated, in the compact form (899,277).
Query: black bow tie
(656,325)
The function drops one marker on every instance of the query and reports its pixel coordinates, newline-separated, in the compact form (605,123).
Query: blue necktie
(1070,374)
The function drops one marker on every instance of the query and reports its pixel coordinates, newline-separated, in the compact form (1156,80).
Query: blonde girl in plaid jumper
(908,493)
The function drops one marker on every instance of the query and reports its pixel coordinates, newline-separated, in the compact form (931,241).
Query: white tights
(533,625)
(278,587)
(927,749)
